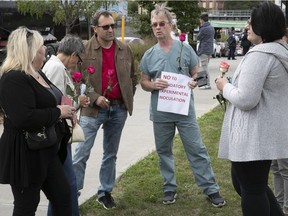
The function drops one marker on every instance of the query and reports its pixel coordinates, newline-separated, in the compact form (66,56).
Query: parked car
(239,50)
(132,40)
(216,49)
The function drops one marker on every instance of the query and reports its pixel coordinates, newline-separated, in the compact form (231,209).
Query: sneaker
(107,201)
(207,87)
(216,200)
(169,197)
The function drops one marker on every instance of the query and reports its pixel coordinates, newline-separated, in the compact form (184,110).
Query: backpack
(231,40)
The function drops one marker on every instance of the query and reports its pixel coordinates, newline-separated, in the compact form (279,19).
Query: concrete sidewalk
(137,139)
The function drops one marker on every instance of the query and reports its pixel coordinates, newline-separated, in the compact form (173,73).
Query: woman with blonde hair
(30,102)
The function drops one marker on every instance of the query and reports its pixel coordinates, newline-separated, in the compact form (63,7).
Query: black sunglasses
(161,24)
(106,27)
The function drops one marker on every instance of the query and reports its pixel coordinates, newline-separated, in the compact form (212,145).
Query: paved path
(137,140)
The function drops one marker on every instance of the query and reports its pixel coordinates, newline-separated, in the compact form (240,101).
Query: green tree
(240,5)
(132,8)
(187,13)
(64,12)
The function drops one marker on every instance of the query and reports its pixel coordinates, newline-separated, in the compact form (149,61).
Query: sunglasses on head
(161,24)
(106,27)
(28,32)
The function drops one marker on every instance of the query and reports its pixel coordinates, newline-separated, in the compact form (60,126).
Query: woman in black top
(30,101)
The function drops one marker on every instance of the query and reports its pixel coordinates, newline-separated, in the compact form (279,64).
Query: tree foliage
(187,13)
(240,5)
(63,12)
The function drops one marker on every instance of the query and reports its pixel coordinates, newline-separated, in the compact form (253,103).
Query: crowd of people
(32,95)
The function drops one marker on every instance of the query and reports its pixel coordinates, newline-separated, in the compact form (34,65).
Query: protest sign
(176,97)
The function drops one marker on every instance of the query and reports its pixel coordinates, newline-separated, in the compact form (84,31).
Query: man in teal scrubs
(176,57)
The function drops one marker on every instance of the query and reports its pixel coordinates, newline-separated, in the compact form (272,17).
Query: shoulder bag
(202,78)
(42,138)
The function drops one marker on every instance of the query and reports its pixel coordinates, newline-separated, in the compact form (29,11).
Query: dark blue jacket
(206,38)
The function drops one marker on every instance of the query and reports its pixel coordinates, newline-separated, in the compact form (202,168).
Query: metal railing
(229,13)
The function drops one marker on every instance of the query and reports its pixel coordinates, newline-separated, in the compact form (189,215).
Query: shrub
(139,50)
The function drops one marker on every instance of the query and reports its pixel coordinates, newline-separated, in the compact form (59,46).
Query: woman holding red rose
(57,69)
(255,129)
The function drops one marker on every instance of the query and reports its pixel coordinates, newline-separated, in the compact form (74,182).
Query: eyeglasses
(161,24)
(79,59)
(106,27)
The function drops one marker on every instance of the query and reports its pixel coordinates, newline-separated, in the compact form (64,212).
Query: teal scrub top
(155,61)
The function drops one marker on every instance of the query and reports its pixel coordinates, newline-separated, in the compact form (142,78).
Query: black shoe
(107,201)
(216,200)
(169,197)
(234,59)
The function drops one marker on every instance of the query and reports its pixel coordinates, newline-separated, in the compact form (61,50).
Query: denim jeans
(204,61)
(280,177)
(113,121)
(71,178)
(195,150)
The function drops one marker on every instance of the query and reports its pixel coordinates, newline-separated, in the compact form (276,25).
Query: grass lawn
(139,190)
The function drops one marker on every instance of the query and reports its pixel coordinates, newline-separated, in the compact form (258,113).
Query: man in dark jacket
(232,44)
(206,39)
(245,43)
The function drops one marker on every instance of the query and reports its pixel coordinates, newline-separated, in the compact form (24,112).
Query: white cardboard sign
(176,97)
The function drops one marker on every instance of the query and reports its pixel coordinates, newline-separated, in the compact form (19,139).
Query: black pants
(250,180)
(231,53)
(55,187)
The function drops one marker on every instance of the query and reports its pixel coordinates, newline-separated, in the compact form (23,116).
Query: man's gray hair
(70,44)
(162,10)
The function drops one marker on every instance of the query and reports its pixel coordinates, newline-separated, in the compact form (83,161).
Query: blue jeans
(71,178)
(195,150)
(113,121)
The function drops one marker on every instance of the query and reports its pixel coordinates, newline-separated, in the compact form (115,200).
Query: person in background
(175,33)
(279,169)
(30,102)
(245,43)
(154,61)
(114,83)
(206,41)
(251,138)
(232,44)
(58,70)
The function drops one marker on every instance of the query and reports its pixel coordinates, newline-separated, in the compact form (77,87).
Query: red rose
(76,77)
(224,66)
(182,37)
(110,72)
(90,69)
